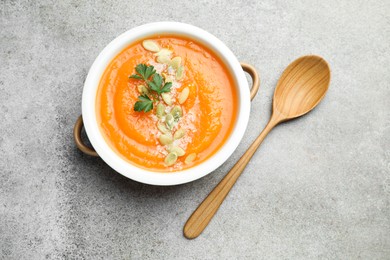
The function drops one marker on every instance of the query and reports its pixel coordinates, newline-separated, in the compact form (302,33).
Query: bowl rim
(124,167)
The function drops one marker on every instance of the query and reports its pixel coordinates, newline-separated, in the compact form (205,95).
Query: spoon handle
(206,210)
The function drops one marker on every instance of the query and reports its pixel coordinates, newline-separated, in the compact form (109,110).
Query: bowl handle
(79,142)
(255,78)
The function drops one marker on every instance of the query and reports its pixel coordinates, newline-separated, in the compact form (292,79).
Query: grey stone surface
(319,187)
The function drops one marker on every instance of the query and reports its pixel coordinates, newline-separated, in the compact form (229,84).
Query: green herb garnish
(144,103)
(144,72)
(156,87)
(156,84)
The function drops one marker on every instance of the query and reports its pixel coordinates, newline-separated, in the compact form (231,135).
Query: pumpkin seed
(179,134)
(142,89)
(164,52)
(163,129)
(190,158)
(151,45)
(164,60)
(167,98)
(169,121)
(184,95)
(176,112)
(175,63)
(177,150)
(170,159)
(179,73)
(160,110)
(168,79)
(165,139)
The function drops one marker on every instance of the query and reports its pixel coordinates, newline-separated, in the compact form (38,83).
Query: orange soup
(166,103)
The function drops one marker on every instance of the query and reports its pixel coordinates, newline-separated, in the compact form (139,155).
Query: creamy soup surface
(166,103)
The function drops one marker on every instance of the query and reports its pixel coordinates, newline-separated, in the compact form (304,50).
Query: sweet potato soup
(166,103)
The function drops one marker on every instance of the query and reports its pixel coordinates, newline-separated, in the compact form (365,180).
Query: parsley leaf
(143,72)
(144,103)
(135,76)
(149,72)
(167,87)
(155,85)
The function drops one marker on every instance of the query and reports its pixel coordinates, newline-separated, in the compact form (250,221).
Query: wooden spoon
(301,87)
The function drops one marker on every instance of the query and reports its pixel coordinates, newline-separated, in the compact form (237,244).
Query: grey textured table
(319,187)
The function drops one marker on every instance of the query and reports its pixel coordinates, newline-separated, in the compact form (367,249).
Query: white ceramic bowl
(130,170)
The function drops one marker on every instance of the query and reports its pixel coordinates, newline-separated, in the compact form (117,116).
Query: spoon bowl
(301,87)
